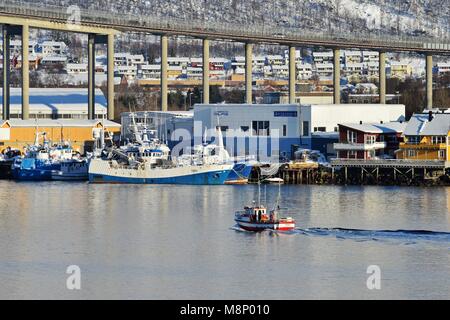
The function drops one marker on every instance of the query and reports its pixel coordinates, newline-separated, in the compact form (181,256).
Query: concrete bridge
(18,16)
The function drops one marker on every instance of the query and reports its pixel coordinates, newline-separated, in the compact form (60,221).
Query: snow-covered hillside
(412,17)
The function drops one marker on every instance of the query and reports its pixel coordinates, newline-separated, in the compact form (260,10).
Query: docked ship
(210,153)
(143,172)
(146,160)
(75,169)
(40,162)
(6,161)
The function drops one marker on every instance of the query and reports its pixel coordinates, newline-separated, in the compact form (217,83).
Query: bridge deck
(225,31)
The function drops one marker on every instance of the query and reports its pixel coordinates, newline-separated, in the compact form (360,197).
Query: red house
(369,141)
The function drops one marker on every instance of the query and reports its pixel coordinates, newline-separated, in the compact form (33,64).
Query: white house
(15,47)
(149,71)
(77,68)
(323,57)
(325,69)
(130,72)
(443,67)
(304,71)
(371,56)
(352,57)
(354,68)
(53,48)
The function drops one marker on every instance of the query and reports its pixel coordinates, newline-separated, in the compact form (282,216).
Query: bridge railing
(274,33)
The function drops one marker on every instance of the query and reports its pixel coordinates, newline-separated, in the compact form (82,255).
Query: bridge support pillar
(429,81)
(382,67)
(248,73)
(164,67)
(337,76)
(91,76)
(25,73)
(6,72)
(110,77)
(205,71)
(292,74)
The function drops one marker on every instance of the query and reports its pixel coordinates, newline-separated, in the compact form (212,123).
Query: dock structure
(368,172)
(354,171)
(16,17)
(300,173)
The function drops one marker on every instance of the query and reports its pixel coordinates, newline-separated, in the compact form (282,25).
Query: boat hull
(101,171)
(58,176)
(6,169)
(32,175)
(240,173)
(34,170)
(258,227)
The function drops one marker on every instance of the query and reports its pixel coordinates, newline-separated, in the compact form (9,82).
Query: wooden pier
(391,172)
(368,172)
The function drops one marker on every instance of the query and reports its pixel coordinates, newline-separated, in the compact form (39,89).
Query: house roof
(419,125)
(388,127)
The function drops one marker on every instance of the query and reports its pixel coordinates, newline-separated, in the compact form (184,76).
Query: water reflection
(178,242)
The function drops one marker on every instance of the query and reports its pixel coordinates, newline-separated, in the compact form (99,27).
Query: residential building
(56,62)
(443,68)
(130,72)
(427,137)
(323,57)
(77,68)
(400,70)
(304,71)
(352,57)
(369,141)
(325,70)
(352,68)
(371,56)
(53,48)
(15,47)
(149,72)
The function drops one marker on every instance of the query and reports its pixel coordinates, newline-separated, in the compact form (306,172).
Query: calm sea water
(178,242)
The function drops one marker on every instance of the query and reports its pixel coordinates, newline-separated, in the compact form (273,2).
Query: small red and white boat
(256,219)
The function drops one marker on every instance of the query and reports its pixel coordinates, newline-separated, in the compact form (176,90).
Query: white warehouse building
(298,126)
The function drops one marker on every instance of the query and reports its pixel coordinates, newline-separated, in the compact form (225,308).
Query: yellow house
(427,137)
(400,70)
(16,133)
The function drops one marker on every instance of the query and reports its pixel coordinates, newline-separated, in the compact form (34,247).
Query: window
(352,154)
(441,154)
(244,128)
(351,136)
(438,139)
(413,139)
(305,128)
(284,130)
(411,153)
(261,128)
(370,139)
(320,129)
(223,128)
